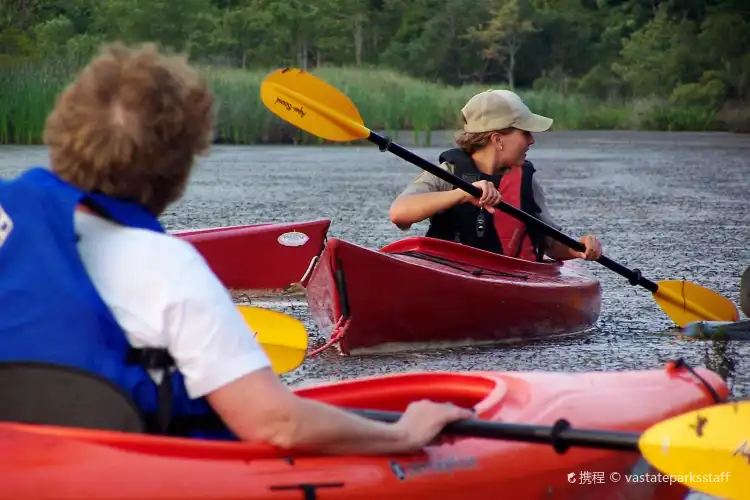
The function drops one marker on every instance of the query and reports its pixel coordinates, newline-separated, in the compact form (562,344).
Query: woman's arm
(555,249)
(221,360)
(409,209)
(259,407)
(559,251)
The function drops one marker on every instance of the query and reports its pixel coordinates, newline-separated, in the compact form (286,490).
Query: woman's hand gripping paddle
(707,449)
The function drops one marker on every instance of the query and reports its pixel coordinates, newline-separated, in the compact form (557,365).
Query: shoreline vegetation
(388,101)
(408,65)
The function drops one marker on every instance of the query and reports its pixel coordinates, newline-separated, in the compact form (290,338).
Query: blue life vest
(50,311)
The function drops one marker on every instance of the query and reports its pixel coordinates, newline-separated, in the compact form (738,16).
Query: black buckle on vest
(481,224)
(150,358)
(162,422)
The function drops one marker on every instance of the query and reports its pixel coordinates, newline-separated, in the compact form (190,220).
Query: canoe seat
(49,394)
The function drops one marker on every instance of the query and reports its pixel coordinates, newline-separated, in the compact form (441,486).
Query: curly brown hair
(130,125)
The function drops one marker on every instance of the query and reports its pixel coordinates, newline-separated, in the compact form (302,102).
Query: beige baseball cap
(499,109)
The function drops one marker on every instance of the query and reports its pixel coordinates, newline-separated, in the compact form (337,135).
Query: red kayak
(423,290)
(262,258)
(65,463)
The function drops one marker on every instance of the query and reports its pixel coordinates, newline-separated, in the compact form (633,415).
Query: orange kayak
(260,258)
(40,462)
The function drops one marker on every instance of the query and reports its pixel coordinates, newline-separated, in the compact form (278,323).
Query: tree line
(687,52)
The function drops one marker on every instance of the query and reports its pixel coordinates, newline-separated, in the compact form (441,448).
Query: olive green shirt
(429,183)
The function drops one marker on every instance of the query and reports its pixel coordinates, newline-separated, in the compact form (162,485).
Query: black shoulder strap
(465,168)
(529,205)
(163,422)
(454,156)
(157,359)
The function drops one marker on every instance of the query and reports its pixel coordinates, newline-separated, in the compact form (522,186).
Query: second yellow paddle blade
(284,339)
(685,302)
(707,450)
(309,103)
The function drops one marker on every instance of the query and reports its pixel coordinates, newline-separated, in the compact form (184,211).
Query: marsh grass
(387,101)
(27,93)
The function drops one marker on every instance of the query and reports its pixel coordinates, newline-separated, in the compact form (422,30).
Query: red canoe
(262,258)
(423,290)
(46,462)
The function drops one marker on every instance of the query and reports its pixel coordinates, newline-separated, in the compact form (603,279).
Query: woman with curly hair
(92,282)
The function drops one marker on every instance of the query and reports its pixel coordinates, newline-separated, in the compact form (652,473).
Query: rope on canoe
(336,335)
(681,363)
(308,271)
(455,264)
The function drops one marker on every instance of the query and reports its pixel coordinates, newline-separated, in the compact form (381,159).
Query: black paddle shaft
(561,436)
(633,276)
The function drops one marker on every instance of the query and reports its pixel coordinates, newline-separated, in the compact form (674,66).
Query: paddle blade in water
(312,105)
(685,302)
(284,339)
(707,450)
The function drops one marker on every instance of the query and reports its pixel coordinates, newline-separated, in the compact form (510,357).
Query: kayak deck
(426,292)
(48,462)
(261,259)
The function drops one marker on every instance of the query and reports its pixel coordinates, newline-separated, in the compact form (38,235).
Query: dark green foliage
(667,64)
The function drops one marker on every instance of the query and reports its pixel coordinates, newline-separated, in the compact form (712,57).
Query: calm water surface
(674,205)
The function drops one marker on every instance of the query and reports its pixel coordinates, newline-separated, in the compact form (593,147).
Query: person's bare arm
(259,407)
(560,251)
(554,249)
(429,195)
(409,209)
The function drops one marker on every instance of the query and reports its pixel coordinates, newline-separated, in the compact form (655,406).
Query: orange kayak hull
(43,462)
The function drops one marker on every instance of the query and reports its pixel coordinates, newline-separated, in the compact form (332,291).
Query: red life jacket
(514,238)
(468,224)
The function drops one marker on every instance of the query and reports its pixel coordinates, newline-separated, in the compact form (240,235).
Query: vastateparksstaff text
(588,477)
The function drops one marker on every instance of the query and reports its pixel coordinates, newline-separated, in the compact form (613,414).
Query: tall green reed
(27,93)
(387,101)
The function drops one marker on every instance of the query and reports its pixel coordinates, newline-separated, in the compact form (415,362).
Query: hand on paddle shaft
(708,449)
(316,107)
(489,198)
(423,423)
(593,248)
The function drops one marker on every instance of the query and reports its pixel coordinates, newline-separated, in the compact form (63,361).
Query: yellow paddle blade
(309,103)
(284,339)
(685,302)
(707,450)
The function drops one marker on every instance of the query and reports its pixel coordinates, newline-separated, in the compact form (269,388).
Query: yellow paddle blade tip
(708,450)
(309,103)
(283,338)
(685,302)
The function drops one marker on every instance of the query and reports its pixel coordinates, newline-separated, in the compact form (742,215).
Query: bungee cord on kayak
(461,266)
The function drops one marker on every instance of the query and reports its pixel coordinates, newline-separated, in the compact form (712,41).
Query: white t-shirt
(163,294)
